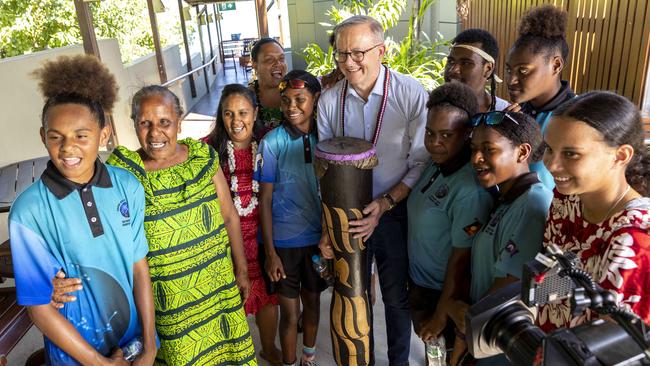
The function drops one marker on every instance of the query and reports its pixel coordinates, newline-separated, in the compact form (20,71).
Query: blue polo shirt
(94,232)
(513,235)
(446,208)
(285,159)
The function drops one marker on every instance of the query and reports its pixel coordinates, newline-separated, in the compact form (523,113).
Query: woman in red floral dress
(600,209)
(232,138)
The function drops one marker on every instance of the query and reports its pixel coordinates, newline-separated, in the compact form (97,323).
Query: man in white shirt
(398,134)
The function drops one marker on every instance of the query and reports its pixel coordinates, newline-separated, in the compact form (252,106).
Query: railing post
(187,49)
(205,9)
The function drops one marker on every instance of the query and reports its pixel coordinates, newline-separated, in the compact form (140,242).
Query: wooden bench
(14,320)
(15,178)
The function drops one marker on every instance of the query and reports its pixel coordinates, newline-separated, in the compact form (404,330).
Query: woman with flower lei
(269,65)
(600,211)
(232,138)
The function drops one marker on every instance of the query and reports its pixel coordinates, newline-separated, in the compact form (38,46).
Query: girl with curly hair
(600,210)
(86,219)
(534,67)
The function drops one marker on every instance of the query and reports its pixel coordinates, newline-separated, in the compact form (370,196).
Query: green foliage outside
(416,55)
(28,26)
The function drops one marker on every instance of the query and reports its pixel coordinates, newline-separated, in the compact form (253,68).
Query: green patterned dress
(199,315)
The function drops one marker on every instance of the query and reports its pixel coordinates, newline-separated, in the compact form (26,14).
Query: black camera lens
(512,330)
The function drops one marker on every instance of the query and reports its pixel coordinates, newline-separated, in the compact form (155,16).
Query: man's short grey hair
(375,27)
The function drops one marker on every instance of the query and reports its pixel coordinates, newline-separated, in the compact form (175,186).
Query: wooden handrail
(170,82)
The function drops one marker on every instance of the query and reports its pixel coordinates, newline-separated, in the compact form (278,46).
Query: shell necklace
(234,188)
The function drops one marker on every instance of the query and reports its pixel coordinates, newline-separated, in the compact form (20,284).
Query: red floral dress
(258,297)
(616,253)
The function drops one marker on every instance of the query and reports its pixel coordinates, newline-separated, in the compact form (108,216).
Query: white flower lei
(243,211)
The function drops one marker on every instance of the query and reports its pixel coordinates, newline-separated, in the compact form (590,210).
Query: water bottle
(436,351)
(320,265)
(133,349)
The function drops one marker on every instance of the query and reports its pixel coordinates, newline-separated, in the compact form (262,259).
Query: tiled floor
(324,355)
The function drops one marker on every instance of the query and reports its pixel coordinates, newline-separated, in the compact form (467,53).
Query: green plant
(416,54)
(28,26)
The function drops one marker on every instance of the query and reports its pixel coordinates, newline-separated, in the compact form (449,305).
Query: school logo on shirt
(442,191)
(259,162)
(511,248)
(123,209)
(494,221)
(472,228)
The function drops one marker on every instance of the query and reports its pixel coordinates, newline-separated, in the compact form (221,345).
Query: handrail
(168,83)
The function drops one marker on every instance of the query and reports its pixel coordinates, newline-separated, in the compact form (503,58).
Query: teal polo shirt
(513,235)
(446,208)
(93,232)
(285,158)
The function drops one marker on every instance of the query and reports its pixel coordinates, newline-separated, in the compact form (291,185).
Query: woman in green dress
(194,238)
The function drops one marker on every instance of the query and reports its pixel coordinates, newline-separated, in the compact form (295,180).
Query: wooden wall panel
(609,40)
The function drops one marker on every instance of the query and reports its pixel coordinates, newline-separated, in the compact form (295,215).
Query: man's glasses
(492,118)
(357,56)
(293,84)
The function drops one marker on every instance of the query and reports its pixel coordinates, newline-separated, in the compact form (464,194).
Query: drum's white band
(483,54)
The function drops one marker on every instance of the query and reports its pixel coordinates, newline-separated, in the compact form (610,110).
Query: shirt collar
(377,89)
(294,132)
(454,164)
(565,93)
(61,187)
(519,187)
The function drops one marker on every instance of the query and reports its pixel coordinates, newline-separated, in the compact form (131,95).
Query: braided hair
(488,44)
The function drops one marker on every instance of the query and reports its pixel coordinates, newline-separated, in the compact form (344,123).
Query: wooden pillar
(207,22)
(87,29)
(219,36)
(198,22)
(262,21)
(85,20)
(188,56)
(162,73)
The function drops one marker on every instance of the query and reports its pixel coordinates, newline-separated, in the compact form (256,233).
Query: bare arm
(61,332)
(500,282)
(143,295)
(324,244)
(273,265)
(231,222)
(453,287)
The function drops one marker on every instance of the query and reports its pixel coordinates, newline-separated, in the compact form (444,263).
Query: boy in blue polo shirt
(290,214)
(85,219)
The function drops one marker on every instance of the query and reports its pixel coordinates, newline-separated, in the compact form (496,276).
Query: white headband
(483,54)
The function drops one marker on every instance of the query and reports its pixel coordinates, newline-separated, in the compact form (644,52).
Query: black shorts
(423,302)
(300,271)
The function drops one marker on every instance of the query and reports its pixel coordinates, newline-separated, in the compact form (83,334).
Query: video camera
(503,322)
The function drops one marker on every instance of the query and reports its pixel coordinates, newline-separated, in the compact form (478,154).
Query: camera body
(503,322)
